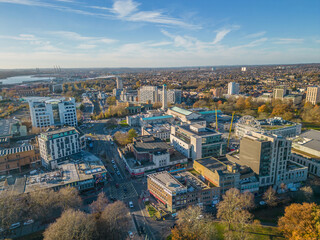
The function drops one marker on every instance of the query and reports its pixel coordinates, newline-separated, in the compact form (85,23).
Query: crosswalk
(125,190)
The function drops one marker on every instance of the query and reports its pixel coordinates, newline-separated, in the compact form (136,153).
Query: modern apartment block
(279,92)
(154,94)
(53,112)
(269,157)
(313,95)
(233,88)
(306,151)
(196,141)
(176,191)
(55,146)
(14,160)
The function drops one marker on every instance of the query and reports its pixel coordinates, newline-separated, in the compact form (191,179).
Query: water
(20,79)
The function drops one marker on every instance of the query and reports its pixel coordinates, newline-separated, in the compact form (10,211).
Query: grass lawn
(123,123)
(269,215)
(151,210)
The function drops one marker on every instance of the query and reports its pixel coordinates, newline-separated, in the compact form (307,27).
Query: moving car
(30,221)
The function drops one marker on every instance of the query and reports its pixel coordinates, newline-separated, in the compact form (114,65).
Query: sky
(157,33)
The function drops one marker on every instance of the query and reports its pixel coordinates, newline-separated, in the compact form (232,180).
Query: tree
(99,205)
(193,224)
(307,193)
(132,134)
(114,221)
(68,197)
(157,105)
(240,104)
(301,221)
(270,197)
(121,138)
(263,108)
(111,100)
(72,225)
(233,208)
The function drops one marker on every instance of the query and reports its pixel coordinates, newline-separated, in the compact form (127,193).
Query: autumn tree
(241,104)
(270,197)
(132,133)
(157,105)
(68,197)
(233,209)
(301,221)
(114,221)
(193,224)
(72,225)
(111,100)
(100,204)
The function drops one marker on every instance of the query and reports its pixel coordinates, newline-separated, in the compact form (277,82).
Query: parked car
(118,173)
(131,204)
(15,225)
(130,234)
(30,221)
(262,203)
(113,161)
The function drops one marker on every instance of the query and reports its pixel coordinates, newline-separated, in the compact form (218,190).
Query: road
(122,187)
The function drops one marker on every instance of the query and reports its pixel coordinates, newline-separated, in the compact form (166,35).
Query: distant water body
(21,79)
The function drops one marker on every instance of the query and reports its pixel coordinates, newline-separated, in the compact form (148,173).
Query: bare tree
(193,224)
(69,198)
(114,221)
(72,225)
(99,205)
(307,192)
(270,197)
(233,205)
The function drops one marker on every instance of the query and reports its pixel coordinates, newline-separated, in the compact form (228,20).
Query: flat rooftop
(189,180)
(8,151)
(157,118)
(181,111)
(6,127)
(167,180)
(220,165)
(309,139)
(150,144)
(197,129)
(61,130)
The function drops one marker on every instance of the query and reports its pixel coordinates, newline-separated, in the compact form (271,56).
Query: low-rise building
(306,151)
(55,146)
(196,141)
(182,114)
(176,191)
(147,154)
(161,131)
(17,159)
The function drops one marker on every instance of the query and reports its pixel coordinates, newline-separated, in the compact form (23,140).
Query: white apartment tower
(56,145)
(233,88)
(53,112)
(119,83)
(313,95)
(164,97)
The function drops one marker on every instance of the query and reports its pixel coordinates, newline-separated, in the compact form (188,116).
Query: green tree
(111,100)
(132,134)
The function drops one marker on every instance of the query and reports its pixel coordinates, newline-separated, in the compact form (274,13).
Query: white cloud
(86,46)
(256,35)
(220,35)
(288,40)
(124,7)
(77,37)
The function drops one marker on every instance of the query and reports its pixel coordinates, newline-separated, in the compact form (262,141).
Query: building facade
(313,95)
(55,146)
(14,160)
(53,112)
(196,141)
(233,88)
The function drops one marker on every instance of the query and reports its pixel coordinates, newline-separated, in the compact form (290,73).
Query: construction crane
(230,129)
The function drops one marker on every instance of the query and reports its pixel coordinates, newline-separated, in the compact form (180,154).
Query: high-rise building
(56,145)
(280,92)
(154,94)
(233,88)
(243,69)
(164,97)
(119,83)
(313,95)
(53,112)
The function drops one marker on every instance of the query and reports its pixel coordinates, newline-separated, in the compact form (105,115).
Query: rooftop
(60,130)
(8,151)
(167,180)
(6,127)
(309,139)
(181,111)
(189,180)
(157,117)
(150,144)
(214,164)
(210,112)
(197,129)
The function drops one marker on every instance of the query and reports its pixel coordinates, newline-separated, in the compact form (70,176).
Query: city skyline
(127,33)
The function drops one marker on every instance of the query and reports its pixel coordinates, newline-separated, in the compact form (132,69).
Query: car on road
(15,225)
(118,173)
(114,166)
(131,204)
(30,221)
(113,161)
(130,234)
(262,203)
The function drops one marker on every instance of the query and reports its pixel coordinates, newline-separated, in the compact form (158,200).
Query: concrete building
(57,145)
(164,97)
(276,125)
(233,88)
(279,92)
(128,95)
(53,112)
(313,95)
(183,115)
(306,151)
(148,94)
(269,157)
(177,191)
(148,154)
(12,128)
(161,131)
(119,83)
(196,141)
(17,159)
(217,92)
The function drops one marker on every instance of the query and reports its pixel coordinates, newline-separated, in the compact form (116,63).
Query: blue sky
(166,33)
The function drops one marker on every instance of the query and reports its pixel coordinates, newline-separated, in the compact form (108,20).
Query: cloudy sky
(154,33)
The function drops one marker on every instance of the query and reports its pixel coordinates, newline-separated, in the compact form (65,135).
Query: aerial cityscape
(159,120)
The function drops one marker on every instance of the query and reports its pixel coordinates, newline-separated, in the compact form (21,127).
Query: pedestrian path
(125,190)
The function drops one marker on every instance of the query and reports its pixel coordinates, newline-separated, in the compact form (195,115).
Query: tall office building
(164,97)
(119,83)
(233,88)
(53,112)
(313,95)
(148,94)
(280,92)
